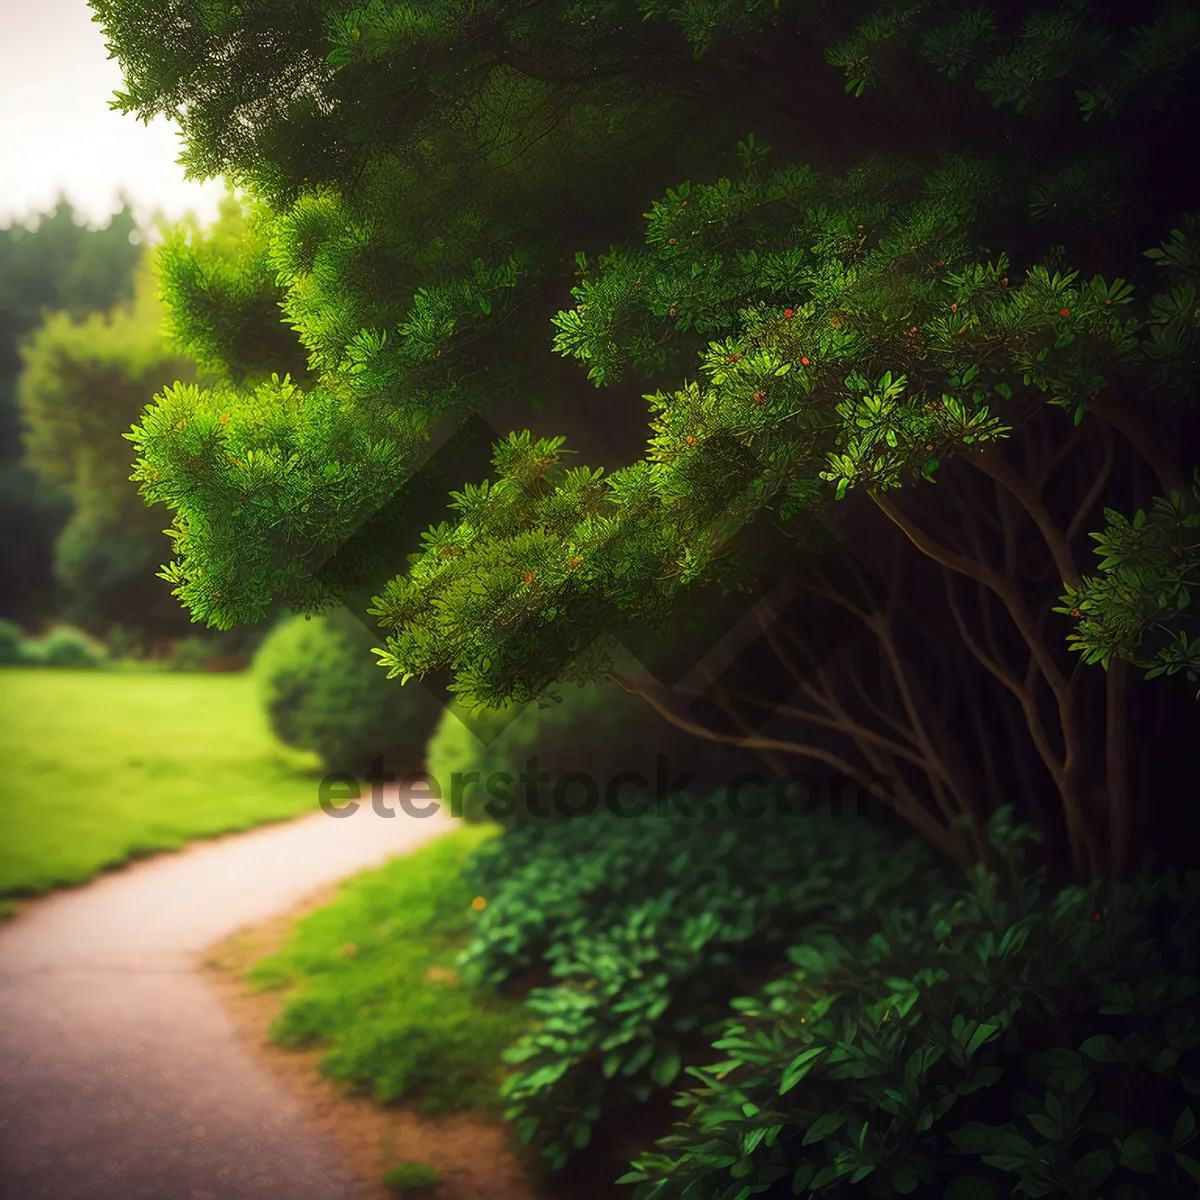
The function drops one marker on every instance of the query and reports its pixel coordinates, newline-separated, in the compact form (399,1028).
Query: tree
(50,261)
(919,348)
(83,382)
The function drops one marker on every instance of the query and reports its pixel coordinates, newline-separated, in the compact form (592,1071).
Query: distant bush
(12,643)
(66,646)
(600,730)
(190,654)
(324,691)
(125,643)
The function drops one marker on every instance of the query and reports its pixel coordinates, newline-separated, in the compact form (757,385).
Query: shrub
(377,985)
(12,643)
(1003,1041)
(410,1177)
(600,730)
(125,644)
(190,654)
(324,691)
(648,927)
(66,646)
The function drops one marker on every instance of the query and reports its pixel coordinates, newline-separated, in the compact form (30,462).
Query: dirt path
(121,1073)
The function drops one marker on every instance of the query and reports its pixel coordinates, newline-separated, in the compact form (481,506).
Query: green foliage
(648,926)
(372,977)
(1173,347)
(221,297)
(190,654)
(399,274)
(409,1177)
(12,643)
(1031,68)
(50,261)
(323,691)
(850,331)
(600,731)
(1028,1041)
(1140,605)
(861,362)
(82,383)
(65,646)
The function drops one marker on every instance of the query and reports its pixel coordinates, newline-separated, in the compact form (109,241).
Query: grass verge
(98,767)
(372,977)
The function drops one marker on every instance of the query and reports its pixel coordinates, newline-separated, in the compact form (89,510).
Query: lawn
(99,766)
(372,977)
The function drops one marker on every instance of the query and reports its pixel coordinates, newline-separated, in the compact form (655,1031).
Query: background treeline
(83,349)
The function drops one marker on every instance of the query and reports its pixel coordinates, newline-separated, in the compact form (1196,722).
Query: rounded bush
(324,690)
(12,643)
(593,733)
(66,646)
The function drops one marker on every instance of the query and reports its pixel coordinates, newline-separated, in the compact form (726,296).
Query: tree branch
(992,465)
(915,814)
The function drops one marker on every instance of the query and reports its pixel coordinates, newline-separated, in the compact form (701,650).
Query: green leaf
(984,1033)
(799,1067)
(1101,1048)
(1138,1151)
(1189,1164)
(823,1126)
(665,1069)
(1185,1129)
(1093,1169)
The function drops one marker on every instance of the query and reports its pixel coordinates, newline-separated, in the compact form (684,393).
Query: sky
(57,133)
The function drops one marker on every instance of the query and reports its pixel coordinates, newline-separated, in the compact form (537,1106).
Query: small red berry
(789,312)
(758,397)
(954,308)
(691,441)
(671,241)
(1064,312)
(1108,302)
(804,362)
(1095,916)
(928,447)
(528,576)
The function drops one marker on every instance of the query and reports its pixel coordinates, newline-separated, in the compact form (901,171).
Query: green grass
(97,767)
(373,978)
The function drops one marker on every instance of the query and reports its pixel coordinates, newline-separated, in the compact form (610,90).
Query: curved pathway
(120,1076)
